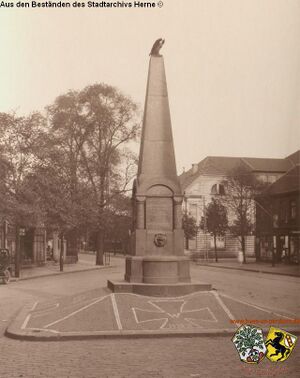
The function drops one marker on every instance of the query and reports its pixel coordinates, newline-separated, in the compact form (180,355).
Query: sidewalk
(52,268)
(253,266)
(86,263)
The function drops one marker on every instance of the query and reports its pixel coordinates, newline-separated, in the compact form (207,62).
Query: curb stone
(14,279)
(249,270)
(16,330)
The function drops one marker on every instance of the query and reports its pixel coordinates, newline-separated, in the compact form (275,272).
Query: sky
(233,67)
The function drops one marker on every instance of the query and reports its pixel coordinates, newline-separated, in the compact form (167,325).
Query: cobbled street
(151,357)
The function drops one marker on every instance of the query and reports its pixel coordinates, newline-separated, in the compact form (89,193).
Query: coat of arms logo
(249,343)
(279,344)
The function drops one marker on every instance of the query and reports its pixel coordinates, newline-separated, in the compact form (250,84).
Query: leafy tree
(19,141)
(190,228)
(62,163)
(119,222)
(93,128)
(216,221)
(241,188)
(4,167)
(19,138)
(71,169)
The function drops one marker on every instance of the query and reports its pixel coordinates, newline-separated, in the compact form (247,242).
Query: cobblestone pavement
(99,312)
(184,357)
(160,357)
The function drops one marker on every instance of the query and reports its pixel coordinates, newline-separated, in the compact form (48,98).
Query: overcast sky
(233,67)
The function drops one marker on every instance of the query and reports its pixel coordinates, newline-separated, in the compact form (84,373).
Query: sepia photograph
(150,189)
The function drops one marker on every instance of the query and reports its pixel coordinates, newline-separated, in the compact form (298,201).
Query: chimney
(194,168)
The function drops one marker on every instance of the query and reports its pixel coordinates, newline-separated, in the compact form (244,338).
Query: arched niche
(159,208)
(159,191)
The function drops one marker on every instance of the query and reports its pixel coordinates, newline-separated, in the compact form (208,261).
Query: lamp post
(17,254)
(20,231)
(274,250)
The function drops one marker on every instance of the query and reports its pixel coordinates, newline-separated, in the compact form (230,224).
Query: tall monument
(157,264)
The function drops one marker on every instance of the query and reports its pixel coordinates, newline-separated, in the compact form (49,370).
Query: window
(275,220)
(220,242)
(262,177)
(193,210)
(218,189)
(283,212)
(272,179)
(293,209)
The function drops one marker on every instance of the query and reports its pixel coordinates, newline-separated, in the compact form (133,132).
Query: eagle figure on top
(158,44)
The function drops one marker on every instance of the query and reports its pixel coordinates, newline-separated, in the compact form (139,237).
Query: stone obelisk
(157,265)
(157,239)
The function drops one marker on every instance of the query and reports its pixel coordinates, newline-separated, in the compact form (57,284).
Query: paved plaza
(99,313)
(80,301)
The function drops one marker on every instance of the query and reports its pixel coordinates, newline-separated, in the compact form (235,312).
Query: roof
(211,165)
(222,165)
(288,183)
(294,158)
(186,178)
(268,165)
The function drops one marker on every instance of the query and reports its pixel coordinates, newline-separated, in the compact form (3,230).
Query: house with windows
(278,219)
(205,180)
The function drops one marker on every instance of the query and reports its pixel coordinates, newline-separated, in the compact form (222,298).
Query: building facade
(278,220)
(205,181)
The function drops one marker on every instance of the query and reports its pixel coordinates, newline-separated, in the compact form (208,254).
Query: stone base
(157,290)
(153,269)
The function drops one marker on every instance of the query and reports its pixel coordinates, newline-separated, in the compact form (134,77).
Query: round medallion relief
(160,240)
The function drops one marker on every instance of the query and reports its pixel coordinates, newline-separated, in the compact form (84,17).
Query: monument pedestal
(157,269)
(157,290)
(161,276)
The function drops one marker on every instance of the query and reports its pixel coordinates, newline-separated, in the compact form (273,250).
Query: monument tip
(158,44)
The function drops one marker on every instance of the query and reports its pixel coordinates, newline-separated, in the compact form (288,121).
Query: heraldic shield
(279,344)
(249,343)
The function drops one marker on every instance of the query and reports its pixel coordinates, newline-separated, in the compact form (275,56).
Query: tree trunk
(186,243)
(215,244)
(61,254)
(100,247)
(273,255)
(243,249)
(17,253)
(257,249)
(101,222)
(72,250)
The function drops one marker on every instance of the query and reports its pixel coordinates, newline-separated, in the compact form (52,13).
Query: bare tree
(216,221)
(190,228)
(241,188)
